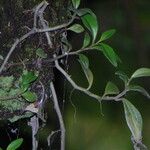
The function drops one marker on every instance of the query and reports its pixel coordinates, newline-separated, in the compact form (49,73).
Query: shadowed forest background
(87,127)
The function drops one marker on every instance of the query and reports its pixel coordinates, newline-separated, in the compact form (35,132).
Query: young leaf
(30,96)
(77,28)
(140,89)
(85,66)
(15,144)
(28,77)
(40,52)
(90,22)
(87,40)
(142,72)
(76,3)
(107,34)
(110,54)
(133,119)
(111,88)
(122,76)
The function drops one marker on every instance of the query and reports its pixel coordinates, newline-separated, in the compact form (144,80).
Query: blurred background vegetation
(88,127)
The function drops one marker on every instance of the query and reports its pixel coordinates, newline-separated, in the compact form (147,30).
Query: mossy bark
(15,17)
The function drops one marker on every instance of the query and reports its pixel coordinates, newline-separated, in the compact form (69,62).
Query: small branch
(34,123)
(60,118)
(50,136)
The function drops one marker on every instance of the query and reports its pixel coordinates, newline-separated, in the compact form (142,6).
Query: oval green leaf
(40,52)
(30,96)
(140,89)
(107,34)
(142,72)
(15,144)
(85,66)
(133,119)
(122,76)
(90,22)
(76,3)
(87,40)
(77,28)
(111,88)
(110,54)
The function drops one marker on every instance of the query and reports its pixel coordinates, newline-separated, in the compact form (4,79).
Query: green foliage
(140,89)
(76,3)
(107,34)
(134,120)
(142,72)
(90,22)
(110,54)
(87,40)
(77,28)
(30,96)
(14,145)
(85,66)
(40,52)
(110,89)
(122,76)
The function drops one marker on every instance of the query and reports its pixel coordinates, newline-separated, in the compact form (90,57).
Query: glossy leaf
(77,28)
(111,88)
(90,22)
(107,34)
(76,3)
(15,144)
(87,40)
(40,52)
(133,119)
(122,76)
(110,54)
(85,66)
(142,72)
(140,89)
(28,77)
(30,96)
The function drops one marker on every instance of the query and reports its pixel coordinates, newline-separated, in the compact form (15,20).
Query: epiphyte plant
(24,96)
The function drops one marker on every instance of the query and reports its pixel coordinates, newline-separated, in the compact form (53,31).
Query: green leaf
(1,148)
(40,52)
(140,89)
(77,28)
(133,119)
(107,34)
(110,54)
(142,72)
(15,144)
(122,76)
(85,66)
(76,3)
(30,96)
(6,82)
(90,22)
(111,88)
(87,40)
(84,11)
(28,77)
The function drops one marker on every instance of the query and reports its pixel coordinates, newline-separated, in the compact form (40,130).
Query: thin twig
(60,118)
(34,123)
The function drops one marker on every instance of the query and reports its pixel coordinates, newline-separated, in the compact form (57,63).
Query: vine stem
(34,123)
(60,118)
